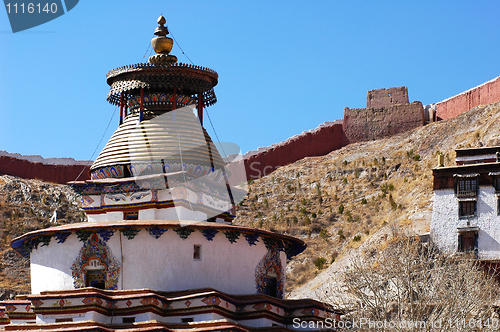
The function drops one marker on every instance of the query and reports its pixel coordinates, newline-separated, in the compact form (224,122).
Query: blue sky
(284,66)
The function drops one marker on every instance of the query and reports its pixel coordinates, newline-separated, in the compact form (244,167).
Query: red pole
(121,108)
(200,107)
(142,105)
(174,104)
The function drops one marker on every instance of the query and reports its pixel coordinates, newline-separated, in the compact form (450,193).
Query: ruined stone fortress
(388,112)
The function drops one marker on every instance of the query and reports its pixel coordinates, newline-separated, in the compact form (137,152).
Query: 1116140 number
(30,8)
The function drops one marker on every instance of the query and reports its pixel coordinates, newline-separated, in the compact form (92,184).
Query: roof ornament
(162,45)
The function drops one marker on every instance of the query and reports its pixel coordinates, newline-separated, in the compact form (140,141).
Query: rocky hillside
(26,205)
(359,195)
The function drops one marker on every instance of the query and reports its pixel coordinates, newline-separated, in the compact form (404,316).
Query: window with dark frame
(467,187)
(131,215)
(467,208)
(467,241)
(128,320)
(496,183)
(197,252)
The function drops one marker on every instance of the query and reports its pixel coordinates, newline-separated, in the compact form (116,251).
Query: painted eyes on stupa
(133,196)
(117,197)
(139,195)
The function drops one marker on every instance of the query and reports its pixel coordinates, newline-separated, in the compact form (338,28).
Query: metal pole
(200,108)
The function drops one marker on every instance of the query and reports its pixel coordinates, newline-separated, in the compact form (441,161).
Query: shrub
(357,238)
(393,203)
(341,235)
(324,234)
(454,287)
(307,221)
(320,263)
(341,208)
(318,191)
(349,216)
(386,187)
(363,201)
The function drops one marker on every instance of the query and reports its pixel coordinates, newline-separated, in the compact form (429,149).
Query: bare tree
(410,286)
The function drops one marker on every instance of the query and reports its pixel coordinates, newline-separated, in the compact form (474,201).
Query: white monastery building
(466,210)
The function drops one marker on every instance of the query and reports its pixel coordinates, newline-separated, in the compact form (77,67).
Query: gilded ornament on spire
(162,45)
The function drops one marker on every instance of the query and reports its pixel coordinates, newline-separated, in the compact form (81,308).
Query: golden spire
(162,44)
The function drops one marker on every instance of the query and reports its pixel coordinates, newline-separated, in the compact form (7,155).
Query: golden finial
(161,20)
(162,44)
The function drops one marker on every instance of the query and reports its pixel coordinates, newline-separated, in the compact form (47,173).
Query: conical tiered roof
(162,144)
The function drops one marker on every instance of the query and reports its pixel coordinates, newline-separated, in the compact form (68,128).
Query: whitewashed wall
(164,264)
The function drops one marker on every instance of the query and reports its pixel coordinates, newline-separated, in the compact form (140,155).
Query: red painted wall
(483,94)
(49,173)
(318,143)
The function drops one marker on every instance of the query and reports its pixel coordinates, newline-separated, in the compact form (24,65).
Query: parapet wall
(50,173)
(364,124)
(387,97)
(318,142)
(483,94)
